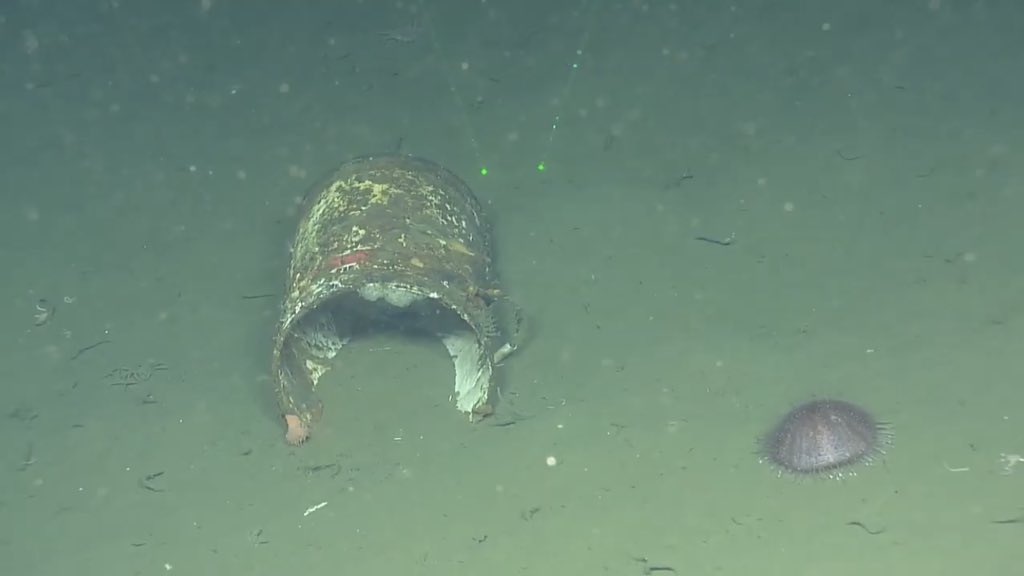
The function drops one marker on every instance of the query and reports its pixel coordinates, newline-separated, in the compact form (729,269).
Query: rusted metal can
(389,239)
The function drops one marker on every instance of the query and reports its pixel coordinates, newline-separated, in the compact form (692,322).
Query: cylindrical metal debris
(388,239)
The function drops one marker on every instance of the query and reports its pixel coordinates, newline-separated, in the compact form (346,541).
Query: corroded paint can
(388,239)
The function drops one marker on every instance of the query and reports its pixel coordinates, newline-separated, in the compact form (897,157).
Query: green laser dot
(483,170)
(540,167)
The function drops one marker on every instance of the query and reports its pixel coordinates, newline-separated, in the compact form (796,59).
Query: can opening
(319,335)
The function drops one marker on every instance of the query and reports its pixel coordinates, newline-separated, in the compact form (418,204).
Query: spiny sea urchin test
(825,437)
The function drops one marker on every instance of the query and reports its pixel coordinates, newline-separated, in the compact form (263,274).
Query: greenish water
(866,161)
